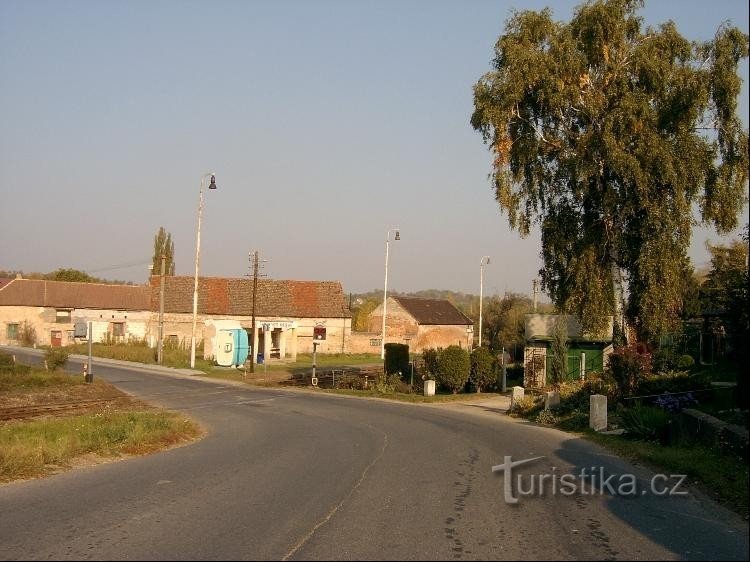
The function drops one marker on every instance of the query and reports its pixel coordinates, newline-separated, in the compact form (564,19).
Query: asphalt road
(299,475)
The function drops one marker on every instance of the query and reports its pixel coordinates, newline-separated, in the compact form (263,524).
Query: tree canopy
(163,245)
(606,135)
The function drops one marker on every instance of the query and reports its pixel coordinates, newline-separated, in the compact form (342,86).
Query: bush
(28,334)
(685,362)
(482,373)
(673,381)
(454,366)
(646,422)
(546,417)
(430,358)
(675,403)
(628,367)
(387,384)
(56,358)
(396,358)
(526,406)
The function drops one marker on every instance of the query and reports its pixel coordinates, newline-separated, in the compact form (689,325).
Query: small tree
(453,369)
(430,358)
(559,367)
(482,368)
(396,358)
(163,246)
(28,334)
(56,358)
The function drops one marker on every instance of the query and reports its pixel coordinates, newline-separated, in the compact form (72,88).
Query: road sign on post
(319,333)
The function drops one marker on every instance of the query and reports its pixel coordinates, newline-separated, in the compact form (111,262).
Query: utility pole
(160,347)
(535,285)
(255,294)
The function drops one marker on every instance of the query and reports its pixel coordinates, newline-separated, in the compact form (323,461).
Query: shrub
(387,384)
(673,381)
(27,336)
(646,422)
(628,366)
(526,406)
(546,417)
(396,358)
(454,366)
(56,358)
(430,358)
(675,403)
(482,373)
(685,362)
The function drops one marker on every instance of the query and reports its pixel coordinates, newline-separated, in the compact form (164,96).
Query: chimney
(19,276)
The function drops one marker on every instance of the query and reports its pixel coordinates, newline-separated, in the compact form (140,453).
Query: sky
(327,123)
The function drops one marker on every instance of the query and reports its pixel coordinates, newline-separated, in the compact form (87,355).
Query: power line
(120,266)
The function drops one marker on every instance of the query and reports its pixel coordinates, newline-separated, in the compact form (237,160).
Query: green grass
(140,353)
(36,379)
(723,476)
(35,448)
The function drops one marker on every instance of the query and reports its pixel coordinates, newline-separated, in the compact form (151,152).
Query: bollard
(551,400)
(598,412)
(517,394)
(429,387)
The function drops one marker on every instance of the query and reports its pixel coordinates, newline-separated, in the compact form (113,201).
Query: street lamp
(385,289)
(484,261)
(212,185)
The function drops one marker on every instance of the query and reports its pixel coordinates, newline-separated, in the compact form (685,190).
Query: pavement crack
(335,508)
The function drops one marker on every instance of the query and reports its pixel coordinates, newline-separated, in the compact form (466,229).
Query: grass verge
(721,476)
(30,449)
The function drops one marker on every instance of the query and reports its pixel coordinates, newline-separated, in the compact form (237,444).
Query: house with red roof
(287,313)
(422,323)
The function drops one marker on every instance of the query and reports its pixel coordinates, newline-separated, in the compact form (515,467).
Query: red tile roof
(234,297)
(63,294)
(433,311)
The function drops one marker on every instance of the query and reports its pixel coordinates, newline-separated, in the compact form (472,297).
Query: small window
(63,317)
(172,340)
(118,329)
(11,332)
(374,342)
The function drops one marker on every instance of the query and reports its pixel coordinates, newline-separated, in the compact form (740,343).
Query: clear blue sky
(326,123)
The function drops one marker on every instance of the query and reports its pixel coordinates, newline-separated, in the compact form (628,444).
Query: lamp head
(398,236)
(212,185)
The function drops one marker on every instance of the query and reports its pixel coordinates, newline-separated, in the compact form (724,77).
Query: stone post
(598,412)
(429,387)
(517,394)
(551,400)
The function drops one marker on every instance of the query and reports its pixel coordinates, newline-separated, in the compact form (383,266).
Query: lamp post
(212,185)
(385,288)
(484,261)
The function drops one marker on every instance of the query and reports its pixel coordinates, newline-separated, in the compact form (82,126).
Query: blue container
(241,348)
(260,359)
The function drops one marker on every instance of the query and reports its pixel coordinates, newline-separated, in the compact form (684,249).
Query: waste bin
(260,359)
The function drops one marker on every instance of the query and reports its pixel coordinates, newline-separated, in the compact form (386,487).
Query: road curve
(298,475)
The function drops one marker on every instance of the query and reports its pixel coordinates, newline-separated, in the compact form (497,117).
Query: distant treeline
(62,274)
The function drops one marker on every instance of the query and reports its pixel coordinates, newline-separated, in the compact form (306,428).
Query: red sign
(319,333)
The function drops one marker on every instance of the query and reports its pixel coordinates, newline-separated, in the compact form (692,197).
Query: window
(172,340)
(374,342)
(11,331)
(118,329)
(62,316)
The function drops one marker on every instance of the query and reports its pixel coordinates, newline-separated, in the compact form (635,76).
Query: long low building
(288,313)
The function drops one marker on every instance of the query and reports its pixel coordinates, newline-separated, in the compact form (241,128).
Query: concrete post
(583,366)
(429,387)
(294,344)
(517,394)
(598,412)
(551,400)
(282,343)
